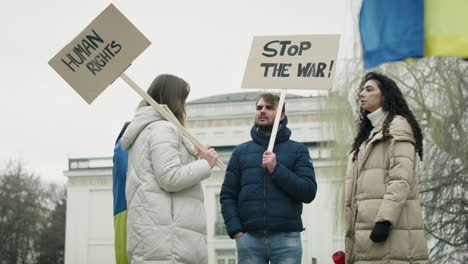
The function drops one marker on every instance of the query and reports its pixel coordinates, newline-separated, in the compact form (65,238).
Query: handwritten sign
(292,62)
(100,53)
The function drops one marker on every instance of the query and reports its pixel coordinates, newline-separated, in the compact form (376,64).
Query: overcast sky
(45,122)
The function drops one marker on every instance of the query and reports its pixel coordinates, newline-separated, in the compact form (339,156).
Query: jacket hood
(283,134)
(143,117)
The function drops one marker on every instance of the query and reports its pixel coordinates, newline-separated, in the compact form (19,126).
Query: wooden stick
(167,116)
(279,109)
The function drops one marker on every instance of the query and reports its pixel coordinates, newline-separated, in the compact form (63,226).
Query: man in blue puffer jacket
(263,191)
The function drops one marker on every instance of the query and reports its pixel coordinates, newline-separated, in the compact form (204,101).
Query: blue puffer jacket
(254,200)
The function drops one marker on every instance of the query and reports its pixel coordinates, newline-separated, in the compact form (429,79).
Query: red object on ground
(339,257)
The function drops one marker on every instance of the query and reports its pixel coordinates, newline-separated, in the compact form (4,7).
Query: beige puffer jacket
(166,216)
(382,185)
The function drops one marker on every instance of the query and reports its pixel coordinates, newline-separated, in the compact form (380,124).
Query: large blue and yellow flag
(119,177)
(399,29)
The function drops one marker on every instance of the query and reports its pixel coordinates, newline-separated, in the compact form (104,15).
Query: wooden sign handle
(279,109)
(167,116)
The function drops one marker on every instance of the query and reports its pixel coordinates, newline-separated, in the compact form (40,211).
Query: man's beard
(265,128)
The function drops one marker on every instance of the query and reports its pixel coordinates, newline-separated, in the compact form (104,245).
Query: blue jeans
(277,247)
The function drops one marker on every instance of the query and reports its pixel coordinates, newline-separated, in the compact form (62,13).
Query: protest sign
(292,62)
(100,53)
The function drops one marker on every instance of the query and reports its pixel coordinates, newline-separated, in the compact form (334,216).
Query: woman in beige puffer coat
(166,217)
(383,216)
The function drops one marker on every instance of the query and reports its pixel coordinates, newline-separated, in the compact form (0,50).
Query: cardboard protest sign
(100,53)
(292,62)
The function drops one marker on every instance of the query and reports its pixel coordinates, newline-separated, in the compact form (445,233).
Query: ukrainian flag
(446,28)
(119,175)
(393,30)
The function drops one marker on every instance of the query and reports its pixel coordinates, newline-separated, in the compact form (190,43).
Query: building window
(220,228)
(225,256)
(78,164)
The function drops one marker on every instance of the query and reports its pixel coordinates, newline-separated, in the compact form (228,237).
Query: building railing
(89,163)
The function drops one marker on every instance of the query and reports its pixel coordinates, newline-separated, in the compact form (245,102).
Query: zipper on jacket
(172,207)
(264,201)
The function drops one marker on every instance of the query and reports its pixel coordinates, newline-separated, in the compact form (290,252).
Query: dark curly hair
(394,103)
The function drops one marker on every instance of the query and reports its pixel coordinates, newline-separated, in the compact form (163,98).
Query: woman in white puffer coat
(166,216)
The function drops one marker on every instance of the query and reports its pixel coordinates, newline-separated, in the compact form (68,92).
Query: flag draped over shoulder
(399,29)
(119,175)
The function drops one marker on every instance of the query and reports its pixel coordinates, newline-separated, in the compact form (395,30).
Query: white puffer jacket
(166,217)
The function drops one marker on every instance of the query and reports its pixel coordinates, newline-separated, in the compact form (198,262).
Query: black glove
(380,231)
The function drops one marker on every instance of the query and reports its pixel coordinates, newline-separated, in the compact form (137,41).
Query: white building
(222,121)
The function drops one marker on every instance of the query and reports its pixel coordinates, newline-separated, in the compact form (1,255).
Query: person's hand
(239,234)
(208,154)
(380,231)
(269,161)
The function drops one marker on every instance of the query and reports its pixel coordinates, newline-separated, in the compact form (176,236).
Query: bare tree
(21,206)
(52,241)
(26,206)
